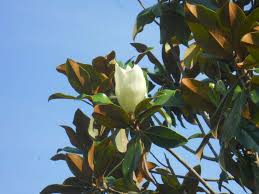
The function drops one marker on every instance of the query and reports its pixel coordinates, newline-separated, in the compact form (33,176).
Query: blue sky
(35,37)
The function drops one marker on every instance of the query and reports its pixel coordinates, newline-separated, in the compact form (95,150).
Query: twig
(203,156)
(192,178)
(205,184)
(227,189)
(158,160)
(114,168)
(203,132)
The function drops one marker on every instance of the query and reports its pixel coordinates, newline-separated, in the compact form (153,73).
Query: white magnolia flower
(130,86)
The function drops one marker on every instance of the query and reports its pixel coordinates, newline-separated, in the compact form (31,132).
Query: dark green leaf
(104,154)
(172,24)
(132,157)
(58,157)
(254,95)
(232,122)
(249,136)
(81,121)
(62,189)
(164,137)
(144,17)
(60,96)
(190,184)
(124,185)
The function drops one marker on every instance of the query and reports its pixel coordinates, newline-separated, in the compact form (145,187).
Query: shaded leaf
(72,136)
(172,24)
(171,59)
(232,122)
(190,184)
(111,116)
(124,185)
(58,157)
(81,121)
(61,96)
(55,188)
(145,17)
(164,137)
(107,150)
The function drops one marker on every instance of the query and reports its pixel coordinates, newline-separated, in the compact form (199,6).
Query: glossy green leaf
(142,106)
(132,157)
(168,98)
(164,137)
(101,98)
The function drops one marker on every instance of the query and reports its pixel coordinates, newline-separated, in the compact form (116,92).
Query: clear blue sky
(36,36)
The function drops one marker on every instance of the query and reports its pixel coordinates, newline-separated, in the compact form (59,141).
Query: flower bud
(130,87)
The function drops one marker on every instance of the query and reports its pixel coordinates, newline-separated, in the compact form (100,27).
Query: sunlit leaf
(169,98)
(121,140)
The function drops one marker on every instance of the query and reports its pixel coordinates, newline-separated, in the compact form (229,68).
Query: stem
(203,156)
(192,178)
(158,160)
(203,132)
(115,168)
(205,184)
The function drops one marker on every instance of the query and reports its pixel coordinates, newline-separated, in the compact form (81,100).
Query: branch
(192,178)
(205,184)
(158,160)
(203,156)
(203,132)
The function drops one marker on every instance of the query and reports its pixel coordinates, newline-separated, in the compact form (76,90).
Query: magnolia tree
(215,82)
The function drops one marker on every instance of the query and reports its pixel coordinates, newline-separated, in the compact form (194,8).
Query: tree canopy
(216,82)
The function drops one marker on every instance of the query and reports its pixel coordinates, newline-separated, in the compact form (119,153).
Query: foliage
(216,80)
